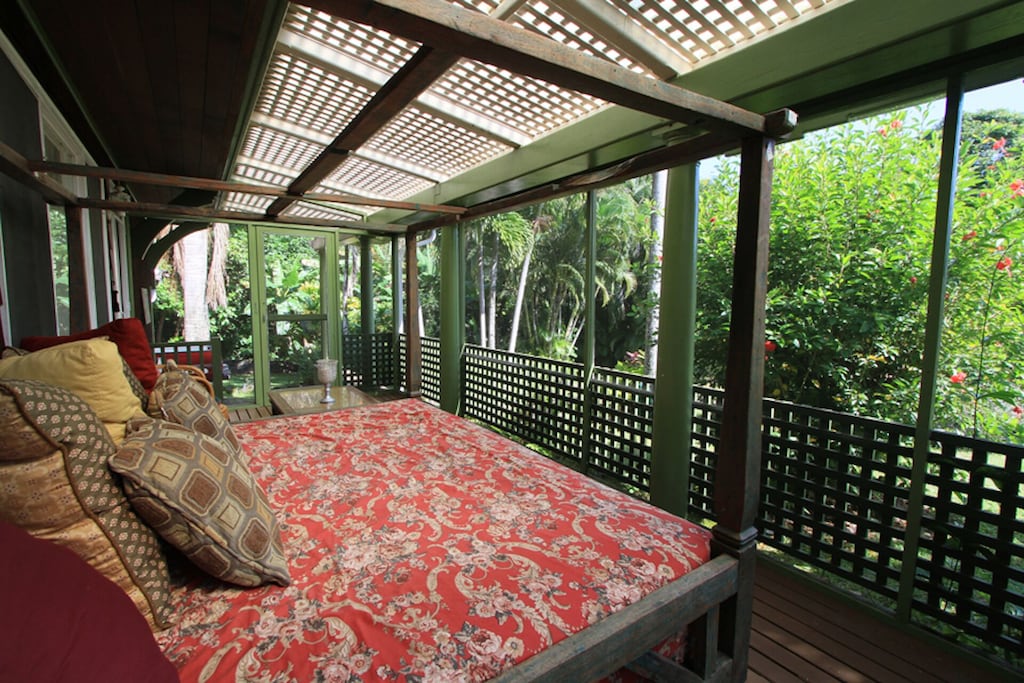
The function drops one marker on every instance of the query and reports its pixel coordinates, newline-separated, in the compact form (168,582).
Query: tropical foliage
(851,246)
(852,222)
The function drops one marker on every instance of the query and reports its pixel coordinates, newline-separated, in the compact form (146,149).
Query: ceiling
(458,103)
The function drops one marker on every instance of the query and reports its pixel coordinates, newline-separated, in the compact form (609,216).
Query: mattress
(422,547)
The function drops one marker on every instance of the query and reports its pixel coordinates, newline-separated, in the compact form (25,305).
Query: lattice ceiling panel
(531,106)
(277,148)
(307,210)
(373,180)
(308,95)
(246,202)
(700,29)
(428,141)
(378,48)
(559,25)
(256,172)
(325,70)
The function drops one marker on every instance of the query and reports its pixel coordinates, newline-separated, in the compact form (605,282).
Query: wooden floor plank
(800,614)
(852,648)
(785,657)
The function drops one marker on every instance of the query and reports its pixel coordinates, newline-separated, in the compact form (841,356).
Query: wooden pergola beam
(173,212)
(415,76)
(19,168)
(485,39)
(213,185)
(689,151)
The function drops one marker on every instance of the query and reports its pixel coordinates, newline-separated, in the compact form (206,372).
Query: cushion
(64,621)
(204,501)
(92,369)
(178,397)
(129,334)
(55,484)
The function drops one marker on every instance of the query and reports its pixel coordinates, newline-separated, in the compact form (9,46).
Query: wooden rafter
(689,151)
(426,66)
(16,166)
(480,37)
(189,182)
(173,211)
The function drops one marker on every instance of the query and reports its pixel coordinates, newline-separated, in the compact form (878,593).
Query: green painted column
(397,303)
(673,397)
(932,341)
(366,307)
(453,326)
(590,322)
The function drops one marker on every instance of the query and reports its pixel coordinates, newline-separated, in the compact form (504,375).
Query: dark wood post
(413,347)
(737,484)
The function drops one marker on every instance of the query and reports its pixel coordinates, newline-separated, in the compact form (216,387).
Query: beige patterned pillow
(55,484)
(203,501)
(178,397)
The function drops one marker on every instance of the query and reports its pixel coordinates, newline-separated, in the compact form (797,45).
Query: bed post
(413,358)
(738,472)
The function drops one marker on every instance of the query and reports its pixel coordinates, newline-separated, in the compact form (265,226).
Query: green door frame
(329,299)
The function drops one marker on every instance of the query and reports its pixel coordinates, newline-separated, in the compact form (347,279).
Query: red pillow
(130,336)
(64,621)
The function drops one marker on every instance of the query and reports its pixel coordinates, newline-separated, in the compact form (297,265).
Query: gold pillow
(55,484)
(91,368)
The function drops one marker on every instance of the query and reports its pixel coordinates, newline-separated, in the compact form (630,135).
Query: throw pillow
(203,501)
(64,621)
(129,334)
(178,397)
(92,369)
(56,485)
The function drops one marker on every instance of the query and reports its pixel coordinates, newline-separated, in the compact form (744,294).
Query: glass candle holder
(326,373)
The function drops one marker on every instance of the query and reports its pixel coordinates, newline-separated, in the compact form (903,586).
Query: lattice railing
(368,360)
(970,571)
(535,399)
(834,492)
(621,420)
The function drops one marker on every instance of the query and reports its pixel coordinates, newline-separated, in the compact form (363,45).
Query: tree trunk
(482,293)
(492,299)
(520,294)
(660,181)
(193,285)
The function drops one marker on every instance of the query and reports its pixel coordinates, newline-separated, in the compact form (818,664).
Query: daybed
(391,542)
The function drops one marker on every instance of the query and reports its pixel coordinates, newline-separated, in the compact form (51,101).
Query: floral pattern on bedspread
(423,548)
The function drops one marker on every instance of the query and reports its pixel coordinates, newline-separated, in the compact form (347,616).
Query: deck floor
(802,633)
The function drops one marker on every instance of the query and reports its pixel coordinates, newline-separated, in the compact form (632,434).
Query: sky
(1009,95)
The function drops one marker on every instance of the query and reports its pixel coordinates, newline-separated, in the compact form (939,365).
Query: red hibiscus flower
(1017,188)
(999,144)
(958,377)
(770,346)
(1004,263)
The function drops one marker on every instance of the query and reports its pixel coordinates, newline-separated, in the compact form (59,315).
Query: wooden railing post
(738,473)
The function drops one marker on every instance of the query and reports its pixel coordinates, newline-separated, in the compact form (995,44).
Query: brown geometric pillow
(180,398)
(56,485)
(203,501)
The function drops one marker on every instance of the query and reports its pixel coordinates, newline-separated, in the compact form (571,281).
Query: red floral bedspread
(421,547)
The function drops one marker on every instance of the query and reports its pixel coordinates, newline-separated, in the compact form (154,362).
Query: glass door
(296,306)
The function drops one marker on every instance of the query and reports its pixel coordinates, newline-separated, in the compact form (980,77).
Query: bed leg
(737,612)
